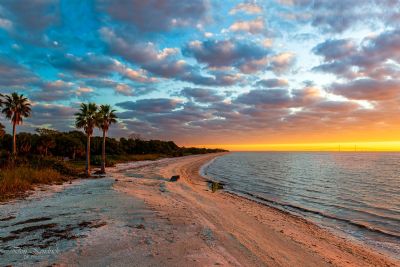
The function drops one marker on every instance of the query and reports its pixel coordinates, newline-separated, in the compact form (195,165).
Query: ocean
(354,194)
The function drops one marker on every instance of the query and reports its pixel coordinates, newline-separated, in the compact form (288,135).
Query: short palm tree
(106,116)
(87,118)
(16,107)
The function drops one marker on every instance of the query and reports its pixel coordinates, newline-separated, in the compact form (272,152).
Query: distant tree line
(72,145)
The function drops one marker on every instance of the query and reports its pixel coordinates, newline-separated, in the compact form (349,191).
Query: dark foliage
(71,145)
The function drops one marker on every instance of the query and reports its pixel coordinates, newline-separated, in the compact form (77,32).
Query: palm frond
(16,107)
(87,117)
(106,117)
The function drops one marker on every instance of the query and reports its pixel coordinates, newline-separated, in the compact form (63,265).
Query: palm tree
(16,107)
(87,118)
(2,131)
(106,118)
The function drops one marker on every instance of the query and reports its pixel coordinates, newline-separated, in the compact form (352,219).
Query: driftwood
(174,178)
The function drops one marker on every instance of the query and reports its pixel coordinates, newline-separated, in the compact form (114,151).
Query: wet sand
(188,225)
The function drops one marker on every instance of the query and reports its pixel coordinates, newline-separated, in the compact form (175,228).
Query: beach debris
(208,236)
(174,178)
(140,226)
(33,220)
(215,186)
(163,188)
(7,218)
(34,228)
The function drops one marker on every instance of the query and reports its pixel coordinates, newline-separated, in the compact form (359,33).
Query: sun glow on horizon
(388,146)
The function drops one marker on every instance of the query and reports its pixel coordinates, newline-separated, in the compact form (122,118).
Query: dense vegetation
(49,156)
(71,146)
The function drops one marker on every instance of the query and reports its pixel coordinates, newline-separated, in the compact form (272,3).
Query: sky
(242,75)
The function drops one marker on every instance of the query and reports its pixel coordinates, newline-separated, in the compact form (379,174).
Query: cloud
(282,62)
(251,26)
(154,105)
(370,59)
(273,97)
(119,87)
(166,63)
(13,74)
(32,15)
(272,83)
(136,75)
(93,65)
(156,15)
(89,65)
(226,53)
(335,49)
(219,78)
(201,95)
(58,117)
(339,16)
(368,89)
(249,8)
(60,90)
(163,63)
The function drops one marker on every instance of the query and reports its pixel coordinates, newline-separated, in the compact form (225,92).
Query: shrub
(96,160)
(17,180)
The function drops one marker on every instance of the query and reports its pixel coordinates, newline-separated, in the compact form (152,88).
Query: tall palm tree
(16,107)
(2,131)
(87,118)
(107,117)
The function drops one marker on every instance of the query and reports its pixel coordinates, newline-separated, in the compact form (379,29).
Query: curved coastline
(185,224)
(301,212)
(258,234)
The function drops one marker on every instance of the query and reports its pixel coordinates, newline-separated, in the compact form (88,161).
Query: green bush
(96,160)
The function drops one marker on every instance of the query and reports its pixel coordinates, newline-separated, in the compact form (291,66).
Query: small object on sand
(140,226)
(174,178)
(116,180)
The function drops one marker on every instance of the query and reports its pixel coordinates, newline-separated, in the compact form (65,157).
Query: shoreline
(279,237)
(137,217)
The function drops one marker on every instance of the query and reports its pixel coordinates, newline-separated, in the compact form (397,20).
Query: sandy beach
(185,224)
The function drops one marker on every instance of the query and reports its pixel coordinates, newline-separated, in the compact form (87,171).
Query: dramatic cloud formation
(209,72)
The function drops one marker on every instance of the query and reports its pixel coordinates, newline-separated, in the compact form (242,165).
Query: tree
(87,118)
(2,131)
(45,143)
(46,140)
(16,107)
(106,116)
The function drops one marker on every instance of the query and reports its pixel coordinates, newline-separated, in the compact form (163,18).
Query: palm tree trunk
(88,156)
(103,154)
(14,155)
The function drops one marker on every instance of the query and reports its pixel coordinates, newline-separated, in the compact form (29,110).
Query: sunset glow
(334,147)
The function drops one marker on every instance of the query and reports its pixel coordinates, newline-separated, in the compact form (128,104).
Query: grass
(113,159)
(136,157)
(15,181)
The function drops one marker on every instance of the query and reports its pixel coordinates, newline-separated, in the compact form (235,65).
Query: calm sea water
(355,193)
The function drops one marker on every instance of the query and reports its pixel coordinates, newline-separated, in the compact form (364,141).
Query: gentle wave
(320,213)
(358,193)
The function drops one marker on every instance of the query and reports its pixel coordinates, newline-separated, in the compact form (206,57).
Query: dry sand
(185,224)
